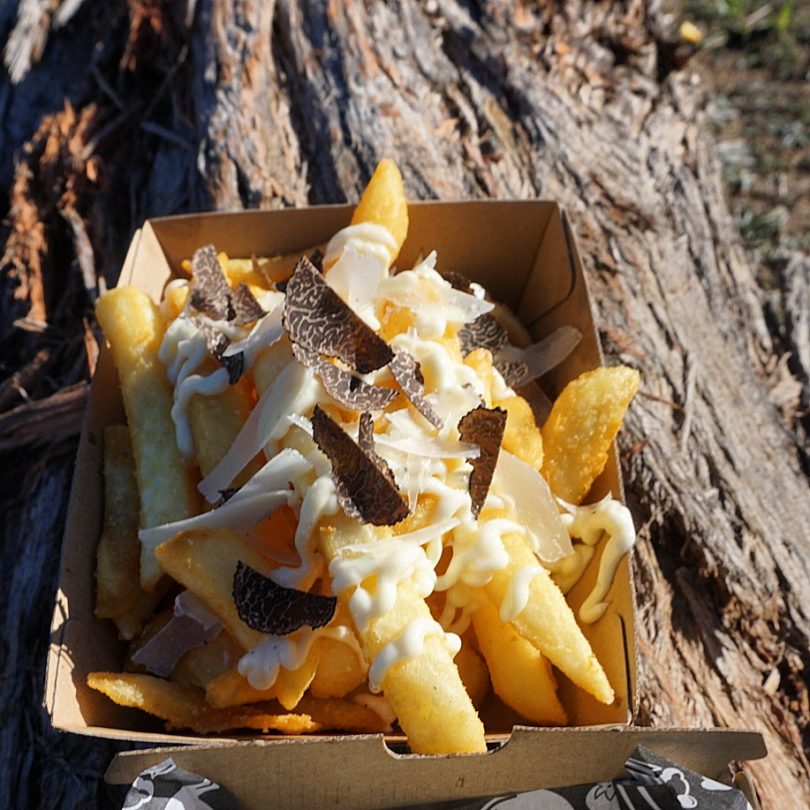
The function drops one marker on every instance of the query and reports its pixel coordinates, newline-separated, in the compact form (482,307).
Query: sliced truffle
(270,608)
(244,306)
(209,293)
(514,372)
(343,386)
(365,433)
(485,332)
(457,281)
(408,374)
(483,427)
(217,342)
(365,484)
(316,318)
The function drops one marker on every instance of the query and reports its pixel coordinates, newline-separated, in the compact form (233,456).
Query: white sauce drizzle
(365,237)
(410,643)
(261,665)
(517,592)
(588,523)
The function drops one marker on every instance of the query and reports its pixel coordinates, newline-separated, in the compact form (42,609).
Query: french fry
(582,425)
(521,436)
(134,327)
(384,203)
(521,676)
(339,670)
(200,666)
(204,561)
(472,669)
(548,622)
(215,423)
(131,621)
(425,690)
(341,714)
(119,551)
(185,706)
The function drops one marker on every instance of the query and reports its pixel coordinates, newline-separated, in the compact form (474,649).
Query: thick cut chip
(474,674)
(205,561)
(134,328)
(317,319)
(202,665)
(521,676)
(270,608)
(384,203)
(364,482)
(185,706)
(581,427)
(522,437)
(425,691)
(548,622)
(483,427)
(119,551)
(215,423)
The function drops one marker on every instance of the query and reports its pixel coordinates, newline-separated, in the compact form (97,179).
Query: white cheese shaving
(256,500)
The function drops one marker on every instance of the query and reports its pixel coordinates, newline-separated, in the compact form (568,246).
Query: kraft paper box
(524,255)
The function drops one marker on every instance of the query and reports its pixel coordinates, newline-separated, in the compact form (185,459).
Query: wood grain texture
(241,104)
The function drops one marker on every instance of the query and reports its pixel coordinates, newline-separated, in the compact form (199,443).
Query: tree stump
(115,111)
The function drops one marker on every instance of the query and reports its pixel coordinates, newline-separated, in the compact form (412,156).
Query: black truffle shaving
(365,485)
(485,332)
(270,608)
(316,318)
(365,433)
(408,374)
(209,293)
(244,306)
(483,427)
(457,281)
(343,386)
(514,372)
(217,343)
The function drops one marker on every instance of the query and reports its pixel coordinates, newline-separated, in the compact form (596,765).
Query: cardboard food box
(524,255)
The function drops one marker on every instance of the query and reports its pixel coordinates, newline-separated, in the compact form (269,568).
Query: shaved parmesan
(534,506)
(267,423)
(256,500)
(266,331)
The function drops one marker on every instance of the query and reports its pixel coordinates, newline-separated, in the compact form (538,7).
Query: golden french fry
(521,676)
(347,715)
(131,622)
(215,423)
(200,666)
(384,203)
(581,427)
(134,328)
(474,673)
(340,669)
(548,622)
(185,707)
(204,561)
(521,437)
(119,551)
(230,688)
(270,363)
(424,690)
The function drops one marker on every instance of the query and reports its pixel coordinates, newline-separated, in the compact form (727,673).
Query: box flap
(360,772)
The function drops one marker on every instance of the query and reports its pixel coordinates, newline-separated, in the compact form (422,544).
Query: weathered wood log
(237,104)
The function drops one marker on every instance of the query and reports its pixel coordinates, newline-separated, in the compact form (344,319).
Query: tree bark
(115,111)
